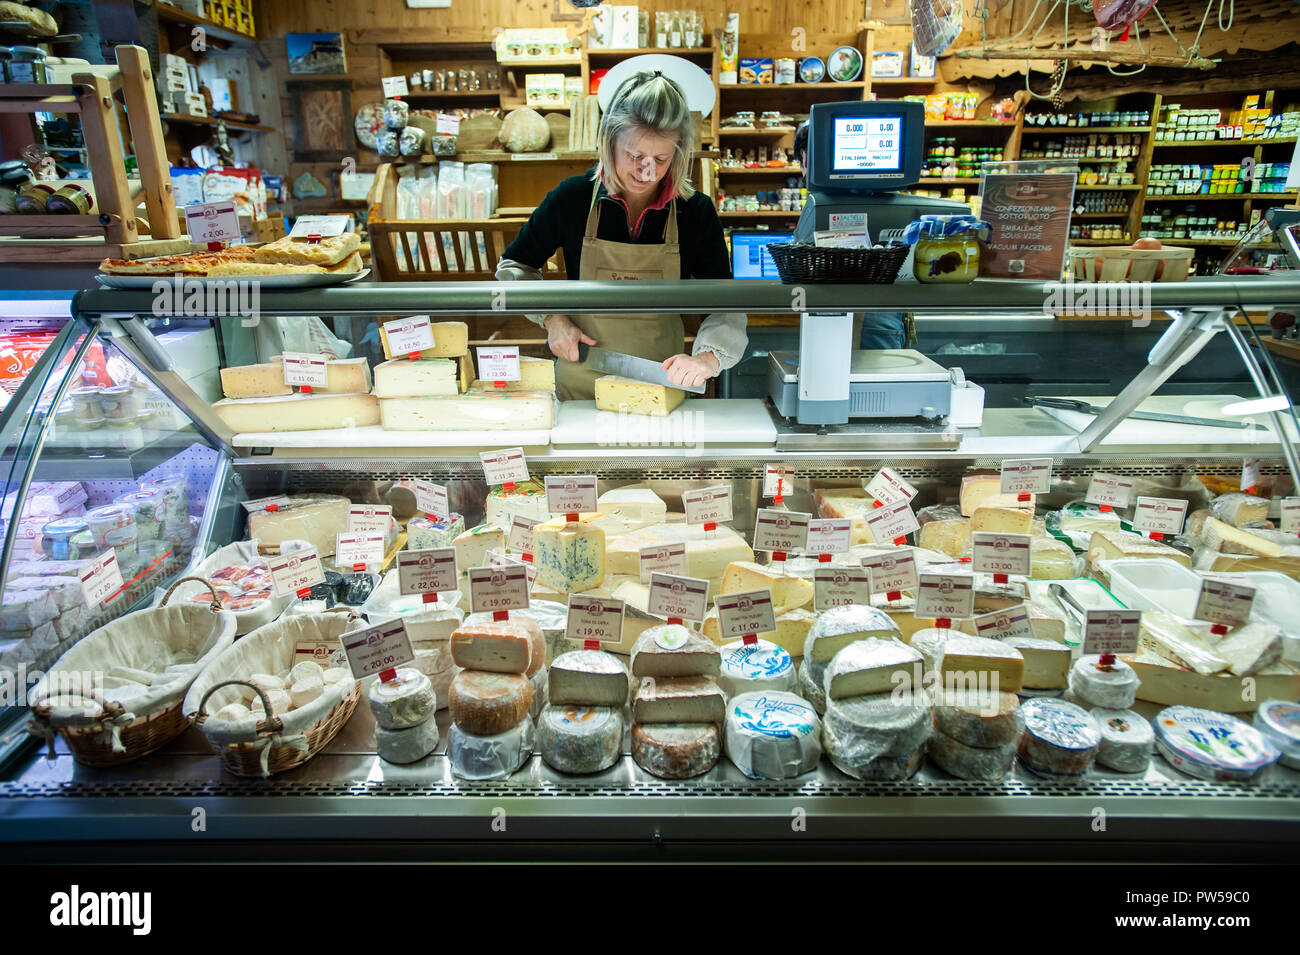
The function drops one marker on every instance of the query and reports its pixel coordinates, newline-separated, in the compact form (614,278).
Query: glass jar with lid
(947,247)
(26,65)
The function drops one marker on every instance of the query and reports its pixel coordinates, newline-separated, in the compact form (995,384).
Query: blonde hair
(651,101)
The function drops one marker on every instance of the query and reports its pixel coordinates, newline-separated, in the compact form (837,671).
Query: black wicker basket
(800,262)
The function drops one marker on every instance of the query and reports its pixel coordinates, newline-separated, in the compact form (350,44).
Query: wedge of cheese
(254,381)
(473,411)
(629,396)
(951,537)
(345,376)
(473,546)
(1223,537)
(871,666)
(1047,662)
(298,413)
(535,374)
(1051,559)
(1167,683)
(401,378)
(985,490)
(1110,545)
(1167,637)
(636,506)
(1000,519)
(315,518)
(450,340)
(570,555)
(851,502)
(1238,509)
(790,634)
(788,592)
(975,661)
(707,553)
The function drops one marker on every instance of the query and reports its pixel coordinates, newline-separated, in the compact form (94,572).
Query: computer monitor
(865,146)
(749,256)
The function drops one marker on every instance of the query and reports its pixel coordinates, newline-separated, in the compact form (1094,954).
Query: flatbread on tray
(329,250)
(226,269)
(184,263)
(285,256)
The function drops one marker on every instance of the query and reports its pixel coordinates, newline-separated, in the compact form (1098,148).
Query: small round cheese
(1279,721)
(1114,688)
(404,701)
(305,669)
(490,757)
(1212,745)
(407,745)
(675,750)
(972,762)
(810,689)
(1126,740)
(333,675)
(1059,738)
(880,769)
(234,712)
(772,734)
(751,667)
(266,681)
(279,700)
(863,728)
(305,690)
(487,704)
(978,718)
(580,739)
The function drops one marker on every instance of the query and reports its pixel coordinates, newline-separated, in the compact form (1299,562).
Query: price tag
(212,222)
(498,364)
(745,613)
(385,646)
(395,86)
(304,370)
(406,335)
(778,478)
(1222,602)
(498,588)
(101,579)
(505,467)
(950,596)
(292,573)
(685,598)
(1026,475)
(448,124)
(498,558)
(521,533)
(319,226)
(427,571)
(666,559)
(266,504)
(892,572)
(1000,553)
(1160,515)
(1111,631)
(780,530)
(708,505)
(370,519)
(570,493)
(1012,622)
(1249,473)
(1109,489)
(594,618)
(887,487)
(891,522)
(352,549)
(841,586)
(431,498)
(1291,515)
(830,535)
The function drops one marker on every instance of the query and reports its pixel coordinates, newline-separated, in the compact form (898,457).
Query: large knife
(1069,404)
(629,366)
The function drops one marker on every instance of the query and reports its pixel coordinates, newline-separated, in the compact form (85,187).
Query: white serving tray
(376,437)
(696,422)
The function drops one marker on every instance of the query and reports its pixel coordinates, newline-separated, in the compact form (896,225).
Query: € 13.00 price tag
(682,598)
(1111,631)
(426,571)
(708,505)
(594,618)
(780,530)
(946,596)
(1026,475)
(1000,553)
(506,466)
(571,493)
(498,363)
(504,587)
(778,479)
(1110,490)
(841,586)
(305,370)
(295,572)
(887,487)
(745,613)
(385,646)
(829,535)
(406,335)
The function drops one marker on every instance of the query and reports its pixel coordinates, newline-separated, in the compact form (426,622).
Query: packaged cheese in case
(676,750)
(315,518)
(772,735)
(472,411)
(344,376)
(494,756)
(858,731)
(580,739)
(527,499)
(254,381)
(751,667)
(1060,738)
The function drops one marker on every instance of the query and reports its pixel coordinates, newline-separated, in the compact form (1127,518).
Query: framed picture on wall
(316,53)
(921,67)
(323,117)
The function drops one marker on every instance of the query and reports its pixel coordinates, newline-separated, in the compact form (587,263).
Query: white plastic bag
(935,24)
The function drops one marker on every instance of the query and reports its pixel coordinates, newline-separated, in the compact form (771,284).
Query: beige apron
(646,336)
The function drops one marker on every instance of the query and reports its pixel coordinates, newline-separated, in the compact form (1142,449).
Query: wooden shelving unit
(170,14)
(214,121)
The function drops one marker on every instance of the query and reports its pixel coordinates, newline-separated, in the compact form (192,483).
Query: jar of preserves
(947,247)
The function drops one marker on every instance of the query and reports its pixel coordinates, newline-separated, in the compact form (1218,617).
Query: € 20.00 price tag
(1026,475)
(407,335)
(1111,631)
(498,363)
(892,572)
(887,487)
(305,370)
(1110,490)
(742,614)
(101,579)
(426,571)
(663,559)
(708,505)
(571,493)
(780,530)
(506,466)
(598,619)
(504,587)
(841,586)
(295,572)
(1000,553)
(1159,515)
(1011,622)
(385,646)
(431,498)
(946,596)
(370,518)
(1223,602)
(681,598)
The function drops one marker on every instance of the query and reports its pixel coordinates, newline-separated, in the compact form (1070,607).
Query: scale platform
(883,383)
(906,435)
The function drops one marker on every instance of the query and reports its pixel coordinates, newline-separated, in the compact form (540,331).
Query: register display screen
(867,144)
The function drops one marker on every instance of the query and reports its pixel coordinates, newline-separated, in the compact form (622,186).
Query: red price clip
(675,621)
(710,526)
(943,623)
(388,676)
(899,541)
(526,557)
(571,518)
(1001,578)
(313,239)
(591,644)
(1105,508)
(1251,489)
(964,560)
(1106,661)
(499,385)
(780,484)
(877,505)
(214,246)
(431,597)
(508,486)
(430,516)
(499,615)
(823,558)
(359,567)
(305,389)
(749,639)
(894,595)
(273,507)
(1157,536)
(1219,630)
(1024,496)
(304,593)
(413,355)
(778,555)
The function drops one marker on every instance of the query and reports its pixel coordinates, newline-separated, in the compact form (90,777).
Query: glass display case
(623,810)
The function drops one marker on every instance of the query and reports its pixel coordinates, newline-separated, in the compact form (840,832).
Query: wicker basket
(100,733)
(280,742)
(800,262)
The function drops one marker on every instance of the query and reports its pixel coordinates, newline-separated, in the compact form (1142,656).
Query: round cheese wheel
(972,762)
(486,704)
(1126,740)
(266,681)
(580,739)
(306,669)
(539,684)
(1279,721)
(810,689)
(750,667)
(881,769)
(675,750)
(489,757)
(978,718)
(929,643)
(1059,738)
(839,625)
(279,701)
(1114,688)
(536,640)
(234,712)
(1212,745)
(524,131)
(772,735)
(407,745)
(333,675)
(858,731)
(305,690)
(432,661)
(406,700)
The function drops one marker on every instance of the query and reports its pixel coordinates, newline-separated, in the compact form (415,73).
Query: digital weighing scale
(883,383)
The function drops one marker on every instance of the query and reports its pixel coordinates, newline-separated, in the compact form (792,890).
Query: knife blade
(629,366)
(1069,404)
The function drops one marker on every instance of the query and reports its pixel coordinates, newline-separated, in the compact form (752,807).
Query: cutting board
(1135,432)
(696,422)
(376,437)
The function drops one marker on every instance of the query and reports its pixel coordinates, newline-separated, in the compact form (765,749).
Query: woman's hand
(562,337)
(692,370)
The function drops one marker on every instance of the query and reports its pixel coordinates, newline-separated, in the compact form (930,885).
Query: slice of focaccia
(330,250)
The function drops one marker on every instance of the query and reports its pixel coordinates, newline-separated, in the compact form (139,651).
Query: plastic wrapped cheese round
(860,729)
(538,683)
(978,718)
(1212,745)
(930,643)
(772,734)
(407,745)
(1279,720)
(490,757)
(1113,687)
(834,629)
(971,762)
(403,701)
(1126,740)
(580,739)
(750,667)
(810,689)
(1060,738)
(676,750)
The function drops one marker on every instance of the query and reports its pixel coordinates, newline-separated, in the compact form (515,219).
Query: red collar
(667,192)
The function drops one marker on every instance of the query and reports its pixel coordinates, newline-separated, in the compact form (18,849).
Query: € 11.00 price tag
(571,493)
(1159,515)
(407,335)
(504,587)
(385,646)
(506,466)
(829,535)
(946,596)
(1026,475)
(1223,602)
(1109,490)
(1111,631)
(370,518)
(892,522)
(351,550)
(780,531)
(778,479)
(679,598)
(742,614)
(708,505)
(1011,622)
(101,579)
(663,559)
(887,487)
(305,370)
(295,572)
(841,586)
(426,571)
(431,499)
(520,538)
(1000,553)
(598,619)
(892,572)
(498,363)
